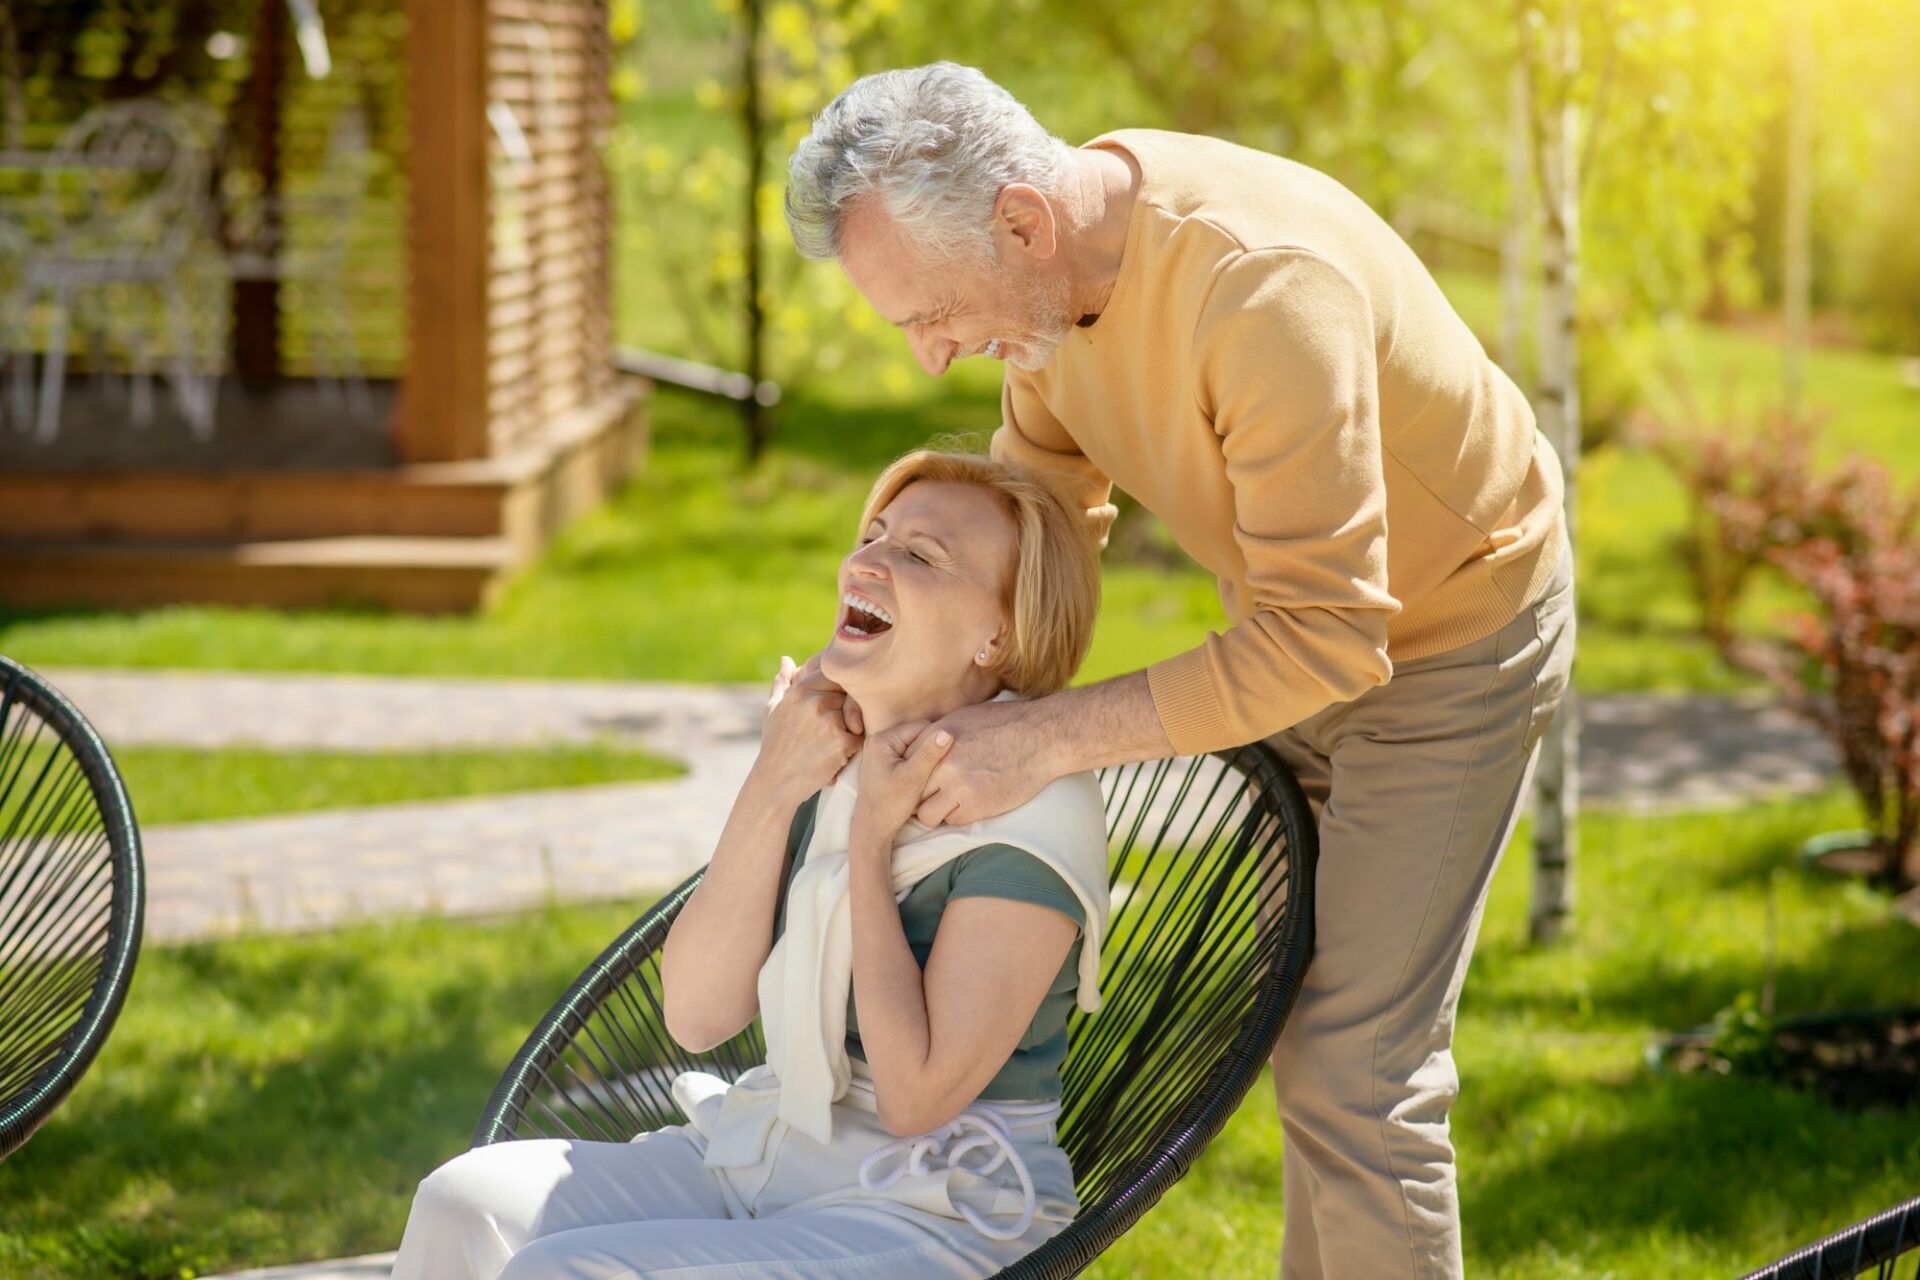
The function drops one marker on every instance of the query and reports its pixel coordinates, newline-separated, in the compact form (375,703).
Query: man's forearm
(1095,725)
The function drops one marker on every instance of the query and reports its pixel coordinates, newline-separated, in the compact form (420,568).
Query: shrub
(1756,492)
(1851,664)
(1854,669)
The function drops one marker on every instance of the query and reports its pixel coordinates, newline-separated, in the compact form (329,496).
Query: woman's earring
(983,655)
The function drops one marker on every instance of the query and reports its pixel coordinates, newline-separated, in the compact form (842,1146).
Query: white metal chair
(126,199)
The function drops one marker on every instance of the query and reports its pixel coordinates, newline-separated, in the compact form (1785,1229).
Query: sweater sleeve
(1032,438)
(1285,371)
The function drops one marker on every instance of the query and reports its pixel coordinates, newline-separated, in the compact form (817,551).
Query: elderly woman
(914,982)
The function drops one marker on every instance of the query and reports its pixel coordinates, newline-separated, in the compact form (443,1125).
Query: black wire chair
(1871,1248)
(72,891)
(1212,927)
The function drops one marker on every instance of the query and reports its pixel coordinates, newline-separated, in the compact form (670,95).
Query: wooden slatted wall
(549,288)
(366,38)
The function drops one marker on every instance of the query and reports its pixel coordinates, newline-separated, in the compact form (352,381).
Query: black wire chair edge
(1849,1251)
(1217,1097)
(37,1100)
(1196,1125)
(610,969)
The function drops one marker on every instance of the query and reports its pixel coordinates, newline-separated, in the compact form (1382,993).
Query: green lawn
(702,571)
(275,1099)
(181,784)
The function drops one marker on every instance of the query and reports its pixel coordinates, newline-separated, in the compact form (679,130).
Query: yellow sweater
(1281,381)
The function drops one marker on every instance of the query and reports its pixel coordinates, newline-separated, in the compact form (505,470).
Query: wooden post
(443,415)
(256,303)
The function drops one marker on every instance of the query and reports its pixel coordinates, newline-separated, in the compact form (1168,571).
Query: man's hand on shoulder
(994,764)
(1005,753)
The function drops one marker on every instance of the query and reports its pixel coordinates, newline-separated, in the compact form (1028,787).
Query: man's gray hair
(936,144)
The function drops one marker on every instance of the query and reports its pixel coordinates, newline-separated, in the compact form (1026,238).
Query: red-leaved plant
(1756,492)
(1852,666)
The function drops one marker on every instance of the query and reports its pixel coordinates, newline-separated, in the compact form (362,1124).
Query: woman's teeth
(862,609)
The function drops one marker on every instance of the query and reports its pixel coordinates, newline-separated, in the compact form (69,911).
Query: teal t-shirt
(991,871)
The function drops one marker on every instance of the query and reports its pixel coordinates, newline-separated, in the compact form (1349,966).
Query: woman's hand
(805,740)
(894,767)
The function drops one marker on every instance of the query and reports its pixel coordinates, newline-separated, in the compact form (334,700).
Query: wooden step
(429,575)
(524,493)
(429,537)
(406,501)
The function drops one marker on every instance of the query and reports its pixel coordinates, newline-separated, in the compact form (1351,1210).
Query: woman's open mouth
(862,619)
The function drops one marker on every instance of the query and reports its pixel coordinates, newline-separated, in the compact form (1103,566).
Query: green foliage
(1883,265)
(679,161)
(1666,154)
(1743,1036)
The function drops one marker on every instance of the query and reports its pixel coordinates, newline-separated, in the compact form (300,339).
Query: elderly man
(1243,345)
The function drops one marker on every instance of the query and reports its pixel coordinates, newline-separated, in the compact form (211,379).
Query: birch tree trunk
(1797,275)
(1557,403)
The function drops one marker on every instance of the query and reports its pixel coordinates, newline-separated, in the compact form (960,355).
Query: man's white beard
(1046,322)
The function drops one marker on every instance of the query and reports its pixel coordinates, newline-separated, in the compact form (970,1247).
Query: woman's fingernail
(942,738)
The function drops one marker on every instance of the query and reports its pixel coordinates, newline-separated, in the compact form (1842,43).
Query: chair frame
(23,1111)
(1877,1242)
(1272,791)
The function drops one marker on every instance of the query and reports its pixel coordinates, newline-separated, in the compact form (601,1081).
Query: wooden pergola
(506,419)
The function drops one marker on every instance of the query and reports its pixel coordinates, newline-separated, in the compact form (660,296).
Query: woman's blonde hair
(1054,594)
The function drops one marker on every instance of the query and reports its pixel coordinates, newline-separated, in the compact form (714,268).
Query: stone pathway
(454,857)
(493,853)
(1641,752)
(1652,752)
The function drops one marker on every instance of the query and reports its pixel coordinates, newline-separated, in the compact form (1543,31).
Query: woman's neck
(879,714)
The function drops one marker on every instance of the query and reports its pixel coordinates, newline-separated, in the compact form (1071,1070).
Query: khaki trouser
(1417,785)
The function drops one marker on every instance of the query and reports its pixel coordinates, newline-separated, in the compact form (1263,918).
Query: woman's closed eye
(909,550)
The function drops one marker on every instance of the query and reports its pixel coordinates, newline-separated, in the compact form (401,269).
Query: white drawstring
(992,1132)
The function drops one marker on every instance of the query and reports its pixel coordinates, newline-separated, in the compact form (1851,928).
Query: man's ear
(1024,213)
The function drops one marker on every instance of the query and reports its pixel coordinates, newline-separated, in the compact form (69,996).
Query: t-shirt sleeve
(1031,438)
(1002,871)
(1285,362)
(797,832)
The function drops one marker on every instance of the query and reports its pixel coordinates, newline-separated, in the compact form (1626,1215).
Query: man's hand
(994,764)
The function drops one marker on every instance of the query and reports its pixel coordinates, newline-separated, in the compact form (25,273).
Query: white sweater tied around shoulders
(806,981)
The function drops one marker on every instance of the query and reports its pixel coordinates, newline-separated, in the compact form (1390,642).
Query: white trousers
(553,1209)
